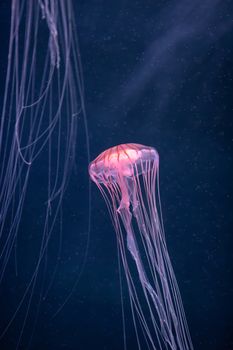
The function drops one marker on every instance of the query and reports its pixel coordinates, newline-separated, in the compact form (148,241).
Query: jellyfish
(41,109)
(127,176)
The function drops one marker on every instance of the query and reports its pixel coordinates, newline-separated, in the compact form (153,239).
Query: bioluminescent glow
(128,178)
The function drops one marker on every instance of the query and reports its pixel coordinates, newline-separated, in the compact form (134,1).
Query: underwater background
(159,73)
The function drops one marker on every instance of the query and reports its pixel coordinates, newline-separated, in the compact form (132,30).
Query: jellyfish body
(41,108)
(127,176)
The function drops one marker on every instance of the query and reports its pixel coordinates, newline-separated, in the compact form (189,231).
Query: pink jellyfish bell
(127,176)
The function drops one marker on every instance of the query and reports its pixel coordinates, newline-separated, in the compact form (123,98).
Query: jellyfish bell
(123,160)
(122,165)
(127,176)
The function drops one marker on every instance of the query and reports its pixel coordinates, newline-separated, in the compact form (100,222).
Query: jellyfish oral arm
(150,293)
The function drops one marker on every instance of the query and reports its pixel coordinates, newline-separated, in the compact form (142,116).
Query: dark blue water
(159,73)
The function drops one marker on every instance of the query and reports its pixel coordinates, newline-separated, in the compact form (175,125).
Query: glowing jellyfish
(127,176)
(42,106)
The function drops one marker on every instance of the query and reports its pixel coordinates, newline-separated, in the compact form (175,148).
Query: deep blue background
(158,73)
